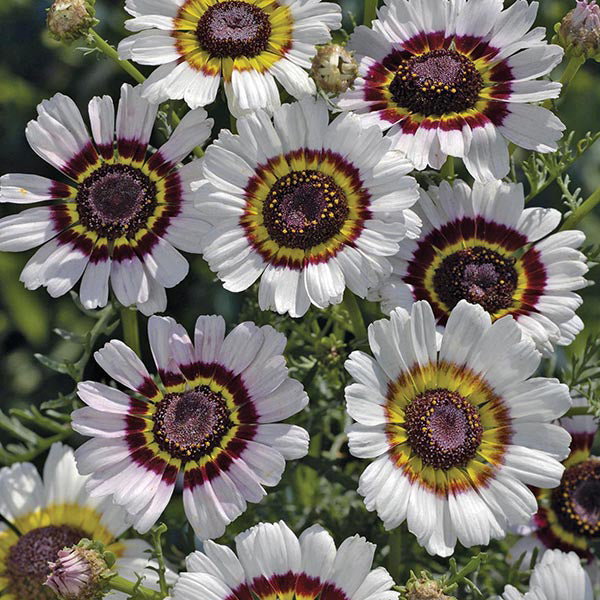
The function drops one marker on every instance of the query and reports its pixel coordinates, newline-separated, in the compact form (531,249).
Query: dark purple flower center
(234,28)
(478,275)
(116,200)
(436,83)
(27,561)
(443,428)
(304,209)
(190,424)
(576,501)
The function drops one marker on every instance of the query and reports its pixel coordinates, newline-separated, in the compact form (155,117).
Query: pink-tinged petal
(157,297)
(108,399)
(193,130)
(18,188)
(292,441)
(124,366)
(63,110)
(163,262)
(160,330)
(209,334)
(102,120)
(91,422)
(135,120)
(267,463)
(28,229)
(287,400)
(128,277)
(240,347)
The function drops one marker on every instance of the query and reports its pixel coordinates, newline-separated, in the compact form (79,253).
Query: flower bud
(81,572)
(579,31)
(334,69)
(425,589)
(68,20)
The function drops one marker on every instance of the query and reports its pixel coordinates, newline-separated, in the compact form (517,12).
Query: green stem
(157,533)
(370,12)
(232,124)
(578,411)
(356,318)
(119,584)
(107,49)
(131,333)
(447,171)
(573,66)
(583,210)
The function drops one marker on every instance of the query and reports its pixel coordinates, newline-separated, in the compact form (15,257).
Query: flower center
(436,83)
(189,425)
(478,275)
(443,428)
(116,200)
(576,501)
(304,209)
(234,28)
(27,561)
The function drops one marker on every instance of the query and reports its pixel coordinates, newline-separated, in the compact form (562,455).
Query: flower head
(481,245)
(124,216)
(251,45)
(215,419)
(334,69)
(569,515)
(579,31)
(50,514)
(81,572)
(457,79)
(459,432)
(68,20)
(309,207)
(271,562)
(558,576)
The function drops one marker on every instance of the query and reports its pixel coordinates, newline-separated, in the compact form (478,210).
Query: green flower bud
(425,589)
(579,31)
(68,20)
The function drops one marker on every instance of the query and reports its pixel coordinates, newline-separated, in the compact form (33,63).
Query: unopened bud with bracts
(81,572)
(69,20)
(425,589)
(334,69)
(579,31)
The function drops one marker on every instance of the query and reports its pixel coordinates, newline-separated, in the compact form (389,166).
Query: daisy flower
(308,207)
(251,44)
(558,576)
(457,433)
(569,515)
(45,515)
(481,245)
(121,217)
(272,562)
(214,419)
(457,78)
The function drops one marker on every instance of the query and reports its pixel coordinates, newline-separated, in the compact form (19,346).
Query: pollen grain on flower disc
(576,501)
(27,561)
(234,28)
(443,428)
(190,424)
(304,209)
(116,200)
(478,275)
(436,83)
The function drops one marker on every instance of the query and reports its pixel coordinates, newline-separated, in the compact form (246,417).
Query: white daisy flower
(251,44)
(45,515)
(483,246)
(457,433)
(569,515)
(125,216)
(272,562)
(214,419)
(457,78)
(558,576)
(309,207)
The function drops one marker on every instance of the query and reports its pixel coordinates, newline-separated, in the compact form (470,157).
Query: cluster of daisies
(465,442)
